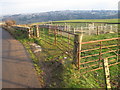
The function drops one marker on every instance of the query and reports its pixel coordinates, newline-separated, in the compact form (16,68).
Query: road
(17,67)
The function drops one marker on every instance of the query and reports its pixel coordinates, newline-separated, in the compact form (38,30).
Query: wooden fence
(84,54)
(82,51)
(89,29)
(87,56)
(107,48)
(53,35)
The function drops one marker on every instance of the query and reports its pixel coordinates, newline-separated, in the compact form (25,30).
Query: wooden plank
(90,55)
(106,73)
(89,66)
(89,62)
(99,48)
(100,40)
(98,54)
(95,60)
(99,68)
(109,51)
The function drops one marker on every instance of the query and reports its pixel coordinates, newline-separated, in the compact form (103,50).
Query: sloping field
(92,20)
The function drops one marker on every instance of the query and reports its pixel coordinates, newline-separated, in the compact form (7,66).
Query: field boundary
(74,41)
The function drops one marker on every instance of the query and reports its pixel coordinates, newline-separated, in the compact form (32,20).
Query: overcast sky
(36,6)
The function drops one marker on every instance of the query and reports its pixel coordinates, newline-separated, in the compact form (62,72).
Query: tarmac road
(17,68)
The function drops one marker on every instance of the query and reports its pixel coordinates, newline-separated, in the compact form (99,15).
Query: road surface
(17,67)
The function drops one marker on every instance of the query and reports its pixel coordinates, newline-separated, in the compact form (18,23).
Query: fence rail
(114,49)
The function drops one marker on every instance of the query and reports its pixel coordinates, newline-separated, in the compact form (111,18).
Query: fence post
(111,28)
(89,27)
(37,31)
(93,26)
(77,49)
(49,29)
(55,36)
(74,30)
(31,29)
(65,27)
(116,28)
(106,73)
(29,32)
(105,28)
(97,30)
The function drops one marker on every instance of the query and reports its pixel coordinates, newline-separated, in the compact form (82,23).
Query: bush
(10,22)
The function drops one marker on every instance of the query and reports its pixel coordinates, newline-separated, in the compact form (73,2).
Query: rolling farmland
(73,53)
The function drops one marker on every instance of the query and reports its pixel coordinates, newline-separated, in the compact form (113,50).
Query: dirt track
(17,67)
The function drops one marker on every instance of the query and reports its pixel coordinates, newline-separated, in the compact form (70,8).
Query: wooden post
(55,36)
(43,32)
(48,29)
(57,29)
(81,29)
(89,29)
(93,26)
(97,30)
(102,28)
(65,27)
(68,40)
(68,36)
(106,73)
(74,30)
(105,28)
(32,32)
(111,28)
(29,33)
(37,31)
(116,28)
(77,49)
(61,33)
(69,29)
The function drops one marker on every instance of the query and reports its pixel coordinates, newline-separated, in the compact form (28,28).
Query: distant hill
(62,15)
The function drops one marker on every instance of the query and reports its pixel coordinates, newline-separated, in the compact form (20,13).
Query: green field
(83,20)
(91,20)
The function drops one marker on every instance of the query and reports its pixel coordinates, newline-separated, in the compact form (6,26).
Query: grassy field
(82,20)
(91,20)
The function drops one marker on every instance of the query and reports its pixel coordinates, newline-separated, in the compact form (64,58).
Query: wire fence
(90,28)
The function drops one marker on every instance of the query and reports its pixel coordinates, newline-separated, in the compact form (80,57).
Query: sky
(37,6)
